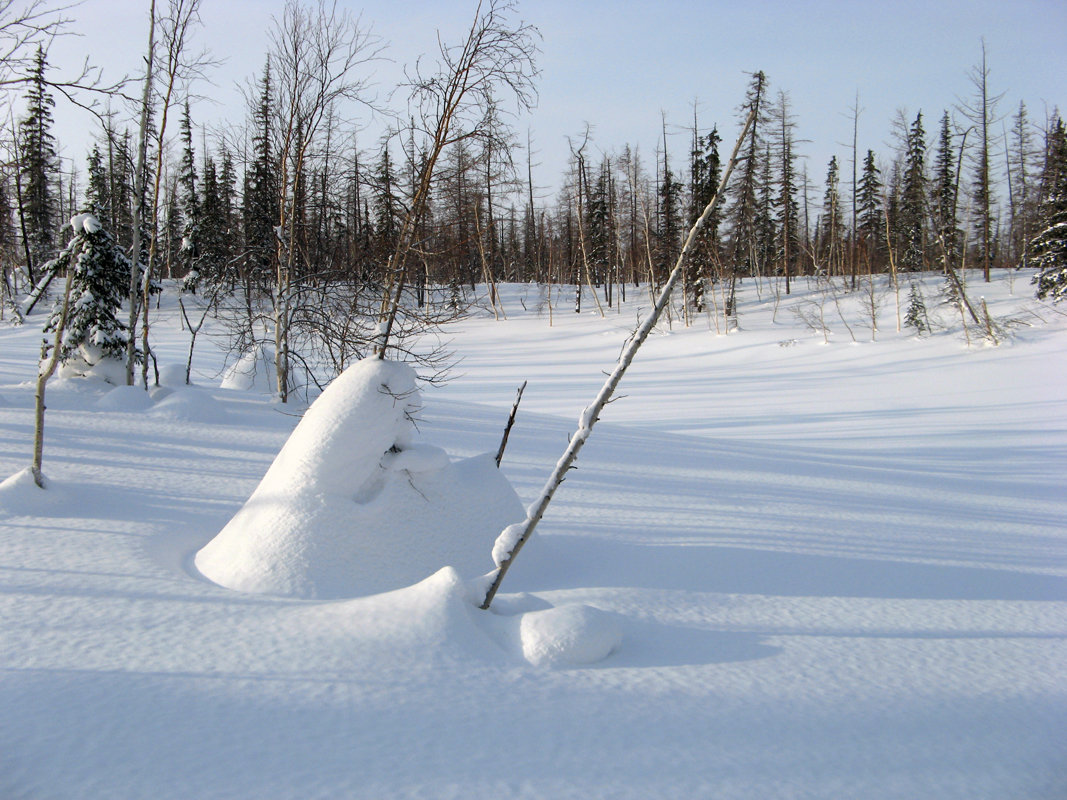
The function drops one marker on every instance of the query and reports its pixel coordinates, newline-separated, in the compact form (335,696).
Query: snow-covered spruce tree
(98,271)
(916,317)
(1048,250)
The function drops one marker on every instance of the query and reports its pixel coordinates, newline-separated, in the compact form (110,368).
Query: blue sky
(620,67)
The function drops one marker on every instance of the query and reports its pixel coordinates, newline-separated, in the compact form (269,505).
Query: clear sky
(620,67)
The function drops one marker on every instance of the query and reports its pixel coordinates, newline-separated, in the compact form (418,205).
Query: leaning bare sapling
(512,538)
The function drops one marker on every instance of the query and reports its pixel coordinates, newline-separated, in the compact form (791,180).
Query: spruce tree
(668,233)
(99,272)
(599,224)
(211,229)
(916,317)
(765,229)
(188,204)
(831,237)
(787,250)
(1048,250)
(38,165)
(943,197)
(744,244)
(97,194)
(706,171)
(387,205)
(871,213)
(913,199)
(260,195)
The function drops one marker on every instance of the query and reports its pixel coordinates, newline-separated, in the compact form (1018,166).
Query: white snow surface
(87,222)
(252,371)
(782,568)
(351,506)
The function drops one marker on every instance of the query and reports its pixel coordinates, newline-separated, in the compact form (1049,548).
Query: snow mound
(21,496)
(351,506)
(569,635)
(16,489)
(255,372)
(172,375)
(88,361)
(252,372)
(191,405)
(125,398)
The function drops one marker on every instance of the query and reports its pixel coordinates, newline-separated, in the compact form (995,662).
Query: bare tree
(26,25)
(139,193)
(316,52)
(456,102)
(512,539)
(981,111)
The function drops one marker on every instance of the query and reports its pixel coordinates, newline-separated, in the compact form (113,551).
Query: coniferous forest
(329,247)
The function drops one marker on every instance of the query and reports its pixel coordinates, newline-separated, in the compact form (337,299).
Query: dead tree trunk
(512,539)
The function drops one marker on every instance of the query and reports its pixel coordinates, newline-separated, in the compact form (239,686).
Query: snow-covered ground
(784,568)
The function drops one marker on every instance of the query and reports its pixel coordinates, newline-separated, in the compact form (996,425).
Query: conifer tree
(599,224)
(787,249)
(912,215)
(668,234)
(38,165)
(98,271)
(212,233)
(97,193)
(1048,250)
(871,213)
(943,197)
(188,203)
(706,170)
(765,229)
(260,195)
(387,204)
(746,205)
(916,316)
(831,237)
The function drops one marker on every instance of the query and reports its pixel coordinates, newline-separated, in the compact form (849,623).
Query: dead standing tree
(315,53)
(456,103)
(512,538)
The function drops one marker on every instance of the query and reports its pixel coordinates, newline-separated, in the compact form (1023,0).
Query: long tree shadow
(566,562)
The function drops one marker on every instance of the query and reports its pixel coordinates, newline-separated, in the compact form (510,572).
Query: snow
(351,506)
(253,371)
(809,571)
(569,635)
(85,222)
(504,544)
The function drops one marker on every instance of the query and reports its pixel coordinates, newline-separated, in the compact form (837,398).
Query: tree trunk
(138,197)
(42,380)
(514,537)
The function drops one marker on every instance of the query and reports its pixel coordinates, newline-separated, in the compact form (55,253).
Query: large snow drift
(351,506)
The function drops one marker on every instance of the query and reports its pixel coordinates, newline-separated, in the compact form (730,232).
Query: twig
(511,422)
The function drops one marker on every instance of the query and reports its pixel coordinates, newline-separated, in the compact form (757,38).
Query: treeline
(327,241)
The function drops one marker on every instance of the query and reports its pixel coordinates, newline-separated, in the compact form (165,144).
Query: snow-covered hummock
(352,506)
(253,371)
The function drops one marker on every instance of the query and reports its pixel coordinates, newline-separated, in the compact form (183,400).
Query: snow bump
(351,506)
